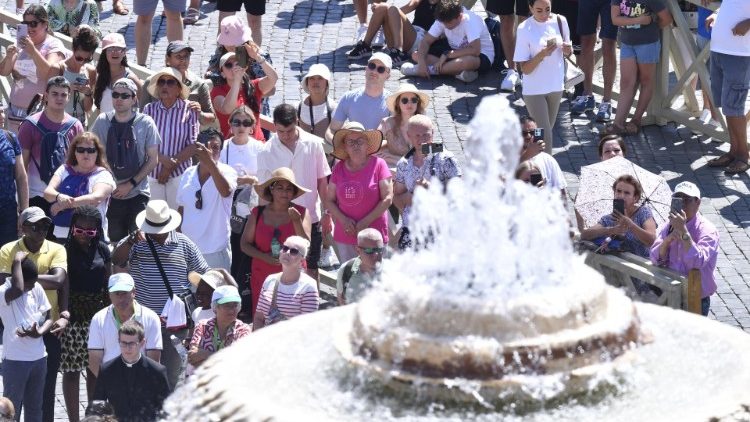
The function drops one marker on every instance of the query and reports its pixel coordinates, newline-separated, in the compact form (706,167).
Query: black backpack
(494,27)
(122,151)
(54,146)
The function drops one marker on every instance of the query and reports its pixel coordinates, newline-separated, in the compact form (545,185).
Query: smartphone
(676,205)
(535,179)
(242,57)
(82,80)
(22,30)
(432,148)
(551,42)
(539,134)
(618,205)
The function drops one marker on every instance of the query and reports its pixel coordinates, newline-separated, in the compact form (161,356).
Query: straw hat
(318,69)
(281,173)
(158,218)
(213,278)
(374,139)
(167,71)
(404,89)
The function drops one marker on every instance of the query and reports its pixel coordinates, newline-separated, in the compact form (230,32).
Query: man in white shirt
(533,150)
(302,152)
(104,341)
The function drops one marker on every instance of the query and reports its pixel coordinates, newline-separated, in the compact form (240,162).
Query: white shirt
(242,158)
(200,314)
(471,28)
(531,38)
(103,176)
(549,168)
(207,227)
(308,162)
(723,40)
(103,331)
(22,312)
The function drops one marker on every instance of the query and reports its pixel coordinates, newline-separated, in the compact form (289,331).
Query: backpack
(74,185)
(122,150)
(53,147)
(493,26)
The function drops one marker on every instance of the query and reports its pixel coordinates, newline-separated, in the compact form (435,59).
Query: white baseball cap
(225,294)
(382,58)
(121,282)
(688,189)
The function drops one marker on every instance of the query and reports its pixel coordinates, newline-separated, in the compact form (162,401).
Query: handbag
(573,74)
(186,297)
(274,314)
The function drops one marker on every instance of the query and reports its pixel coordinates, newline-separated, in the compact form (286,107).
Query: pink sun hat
(233,32)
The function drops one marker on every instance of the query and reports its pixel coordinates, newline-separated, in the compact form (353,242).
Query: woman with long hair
(89,268)
(112,65)
(84,179)
(404,103)
(81,75)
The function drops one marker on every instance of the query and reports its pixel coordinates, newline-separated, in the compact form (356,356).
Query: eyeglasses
(292,251)
(84,150)
(167,82)
(405,101)
(31,24)
(80,59)
(123,95)
(373,66)
(38,227)
(199,199)
(372,251)
(128,344)
(246,123)
(229,65)
(86,232)
(356,142)
(527,132)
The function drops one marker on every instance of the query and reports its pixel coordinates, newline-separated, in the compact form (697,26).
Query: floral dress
(85,13)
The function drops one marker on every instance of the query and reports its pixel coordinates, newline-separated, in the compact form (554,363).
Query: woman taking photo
(289,293)
(111,67)
(67,16)
(79,73)
(84,179)
(89,268)
(404,103)
(268,226)
(637,226)
(363,174)
(542,41)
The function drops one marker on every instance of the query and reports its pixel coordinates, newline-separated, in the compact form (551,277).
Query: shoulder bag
(573,74)
(186,296)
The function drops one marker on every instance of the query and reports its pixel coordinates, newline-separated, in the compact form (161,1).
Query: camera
(535,179)
(432,148)
(539,134)
(242,57)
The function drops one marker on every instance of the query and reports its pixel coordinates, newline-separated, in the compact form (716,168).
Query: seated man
(467,53)
(533,150)
(356,275)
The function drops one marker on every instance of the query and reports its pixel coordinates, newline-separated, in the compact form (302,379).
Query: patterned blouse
(631,243)
(206,335)
(85,13)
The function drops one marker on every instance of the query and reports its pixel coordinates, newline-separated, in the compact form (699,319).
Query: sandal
(721,161)
(119,8)
(192,16)
(737,167)
(632,128)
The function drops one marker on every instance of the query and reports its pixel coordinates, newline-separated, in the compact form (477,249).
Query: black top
(87,275)
(137,392)
(424,15)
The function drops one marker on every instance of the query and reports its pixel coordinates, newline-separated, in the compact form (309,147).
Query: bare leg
(142,37)
(360,7)
(404,33)
(174,25)
(223,15)
(647,79)
(379,18)
(19,4)
(609,49)
(255,22)
(628,82)
(456,66)
(70,384)
(738,137)
(90,384)
(195,4)
(586,62)
(508,38)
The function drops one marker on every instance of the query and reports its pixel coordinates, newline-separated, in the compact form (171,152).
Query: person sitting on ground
(406,102)
(418,168)
(467,53)
(221,331)
(111,67)
(289,293)
(689,241)
(67,16)
(315,111)
(135,385)
(24,311)
(533,149)
(204,285)
(355,276)
(401,36)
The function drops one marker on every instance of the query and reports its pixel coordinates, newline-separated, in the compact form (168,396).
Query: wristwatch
(686,236)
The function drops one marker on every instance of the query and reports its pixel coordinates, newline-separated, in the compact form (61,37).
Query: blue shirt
(357,106)
(703,13)
(10,151)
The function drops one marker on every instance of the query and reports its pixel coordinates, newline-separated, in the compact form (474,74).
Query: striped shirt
(178,128)
(292,299)
(178,256)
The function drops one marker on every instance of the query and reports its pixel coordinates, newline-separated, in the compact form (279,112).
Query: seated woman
(290,292)
(112,65)
(270,225)
(315,110)
(67,16)
(636,228)
(212,335)
(611,146)
(404,103)
(79,73)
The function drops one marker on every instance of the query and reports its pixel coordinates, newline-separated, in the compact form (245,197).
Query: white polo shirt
(30,307)
(103,332)
(308,162)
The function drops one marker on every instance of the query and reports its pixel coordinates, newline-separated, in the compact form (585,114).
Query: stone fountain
(495,318)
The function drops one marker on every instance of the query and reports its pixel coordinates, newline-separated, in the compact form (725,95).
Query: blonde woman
(403,104)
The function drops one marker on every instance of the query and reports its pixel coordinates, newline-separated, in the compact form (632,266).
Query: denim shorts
(148,7)
(642,53)
(730,80)
(589,12)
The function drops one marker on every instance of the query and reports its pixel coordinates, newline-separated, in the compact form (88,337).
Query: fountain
(495,319)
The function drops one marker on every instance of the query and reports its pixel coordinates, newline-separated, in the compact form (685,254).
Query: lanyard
(118,323)
(218,343)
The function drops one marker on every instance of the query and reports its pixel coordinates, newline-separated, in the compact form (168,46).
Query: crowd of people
(147,224)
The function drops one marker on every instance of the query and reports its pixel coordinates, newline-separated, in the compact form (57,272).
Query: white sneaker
(379,40)
(466,76)
(510,81)
(705,115)
(408,69)
(328,258)
(361,32)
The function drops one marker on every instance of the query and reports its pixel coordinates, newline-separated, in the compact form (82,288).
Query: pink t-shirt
(358,193)
(26,83)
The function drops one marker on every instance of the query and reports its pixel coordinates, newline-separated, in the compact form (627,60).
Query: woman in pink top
(360,190)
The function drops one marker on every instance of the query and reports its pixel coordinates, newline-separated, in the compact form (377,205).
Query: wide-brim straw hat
(167,71)
(318,69)
(158,218)
(374,139)
(404,89)
(281,173)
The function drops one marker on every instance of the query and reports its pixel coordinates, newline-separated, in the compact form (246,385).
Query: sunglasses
(31,24)
(373,66)
(414,100)
(80,59)
(115,50)
(229,65)
(246,123)
(167,82)
(87,232)
(199,199)
(38,227)
(124,96)
(292,251)
(527,132)
(373,251)
(84,150)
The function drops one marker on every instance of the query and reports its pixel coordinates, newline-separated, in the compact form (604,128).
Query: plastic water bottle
(177,343)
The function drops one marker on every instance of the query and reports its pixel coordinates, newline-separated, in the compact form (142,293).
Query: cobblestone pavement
(300,33)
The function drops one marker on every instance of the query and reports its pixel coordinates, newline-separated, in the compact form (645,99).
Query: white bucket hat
(158,218)
(318,69)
